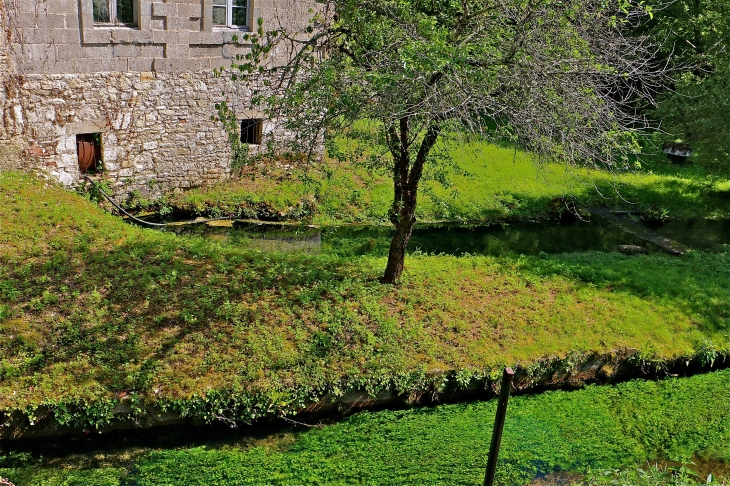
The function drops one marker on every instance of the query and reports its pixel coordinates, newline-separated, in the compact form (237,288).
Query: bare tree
(560,78)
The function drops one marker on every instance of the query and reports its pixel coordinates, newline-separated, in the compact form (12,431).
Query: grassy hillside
(90,307)
(490,183)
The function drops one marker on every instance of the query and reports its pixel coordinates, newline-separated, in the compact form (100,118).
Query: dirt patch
(557,479)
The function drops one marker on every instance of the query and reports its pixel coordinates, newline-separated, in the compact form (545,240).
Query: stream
(604,234)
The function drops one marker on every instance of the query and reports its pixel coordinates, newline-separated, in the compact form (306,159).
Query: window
(251,130)
(114,12)
(88,149)
(230,13)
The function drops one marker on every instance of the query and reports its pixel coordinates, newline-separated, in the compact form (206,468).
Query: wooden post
(498,426)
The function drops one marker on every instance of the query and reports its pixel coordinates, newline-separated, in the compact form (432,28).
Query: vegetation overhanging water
(525,237)
(598,428)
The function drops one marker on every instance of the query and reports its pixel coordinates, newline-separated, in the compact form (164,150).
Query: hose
(141,221)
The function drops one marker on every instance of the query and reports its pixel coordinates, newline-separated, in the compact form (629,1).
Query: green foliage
(486,183)
(694,35)
(429,73)
(653,476)
(699,113)
(654,214)
(93,191)
(593,429)
(239,150)
(50,477)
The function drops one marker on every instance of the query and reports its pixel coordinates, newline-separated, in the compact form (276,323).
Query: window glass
(101,11)
(219,15)
(230,13)
(125,11)
(239,16)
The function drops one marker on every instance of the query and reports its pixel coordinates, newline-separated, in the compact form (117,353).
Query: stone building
(135,80)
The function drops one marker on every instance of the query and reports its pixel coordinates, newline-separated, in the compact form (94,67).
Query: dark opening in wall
(251,130)
(88,149)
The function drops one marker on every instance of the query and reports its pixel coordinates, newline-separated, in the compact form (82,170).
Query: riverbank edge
(133,412)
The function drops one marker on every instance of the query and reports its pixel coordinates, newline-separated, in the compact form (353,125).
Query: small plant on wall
(239,150)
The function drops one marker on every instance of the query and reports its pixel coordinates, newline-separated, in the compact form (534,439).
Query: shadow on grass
(121,315)
(699,283)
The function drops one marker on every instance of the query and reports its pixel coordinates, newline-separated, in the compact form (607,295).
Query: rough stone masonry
(146,90)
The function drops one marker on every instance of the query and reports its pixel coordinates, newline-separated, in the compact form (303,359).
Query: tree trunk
(397,253)
(403,211)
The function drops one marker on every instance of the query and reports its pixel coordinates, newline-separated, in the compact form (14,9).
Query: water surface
(528,238)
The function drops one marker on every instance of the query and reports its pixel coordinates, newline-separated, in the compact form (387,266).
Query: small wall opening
(251,131)
(88,149)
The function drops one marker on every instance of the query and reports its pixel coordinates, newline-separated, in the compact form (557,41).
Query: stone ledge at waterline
(572,371)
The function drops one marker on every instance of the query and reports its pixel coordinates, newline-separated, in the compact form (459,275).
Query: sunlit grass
(492,183)
(90,306)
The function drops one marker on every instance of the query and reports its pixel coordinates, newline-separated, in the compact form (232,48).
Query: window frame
(113,21)
(252,131)
(229,15)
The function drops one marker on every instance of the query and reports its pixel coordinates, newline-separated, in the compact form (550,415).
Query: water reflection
(529,238)
(700,234)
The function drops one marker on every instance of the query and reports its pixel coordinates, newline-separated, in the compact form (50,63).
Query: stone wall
(10,147)
(149,90)
(157,131)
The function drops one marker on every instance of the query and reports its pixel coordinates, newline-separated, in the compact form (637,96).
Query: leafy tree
(696,34)
(557,77)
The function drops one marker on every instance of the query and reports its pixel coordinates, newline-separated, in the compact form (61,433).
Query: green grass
(493,183)
(586,431)
(51,477)
(599,427)
(90,306)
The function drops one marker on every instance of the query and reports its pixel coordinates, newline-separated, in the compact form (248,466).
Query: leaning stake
(498,426)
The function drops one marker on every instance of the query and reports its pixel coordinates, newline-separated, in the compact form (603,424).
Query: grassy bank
(492,183)
(605,432)
(91,307)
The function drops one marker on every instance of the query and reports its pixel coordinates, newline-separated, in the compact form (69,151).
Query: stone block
(126,50)
(66,145)
(35,52)
(68,51)
(140,36)
(96,35)
(73,23)
(143,65)
(111,65)
(110,154)
(65,36)
(101,52)
(69,6)
(159,25)
(153,50)
(160,9)
(121,35)
(65,178)
(55,21)
(217,63)
(37,36)
(66,161)
(88,126)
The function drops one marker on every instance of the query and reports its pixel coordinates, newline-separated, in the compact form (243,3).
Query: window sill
(116,26)
(235,28)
